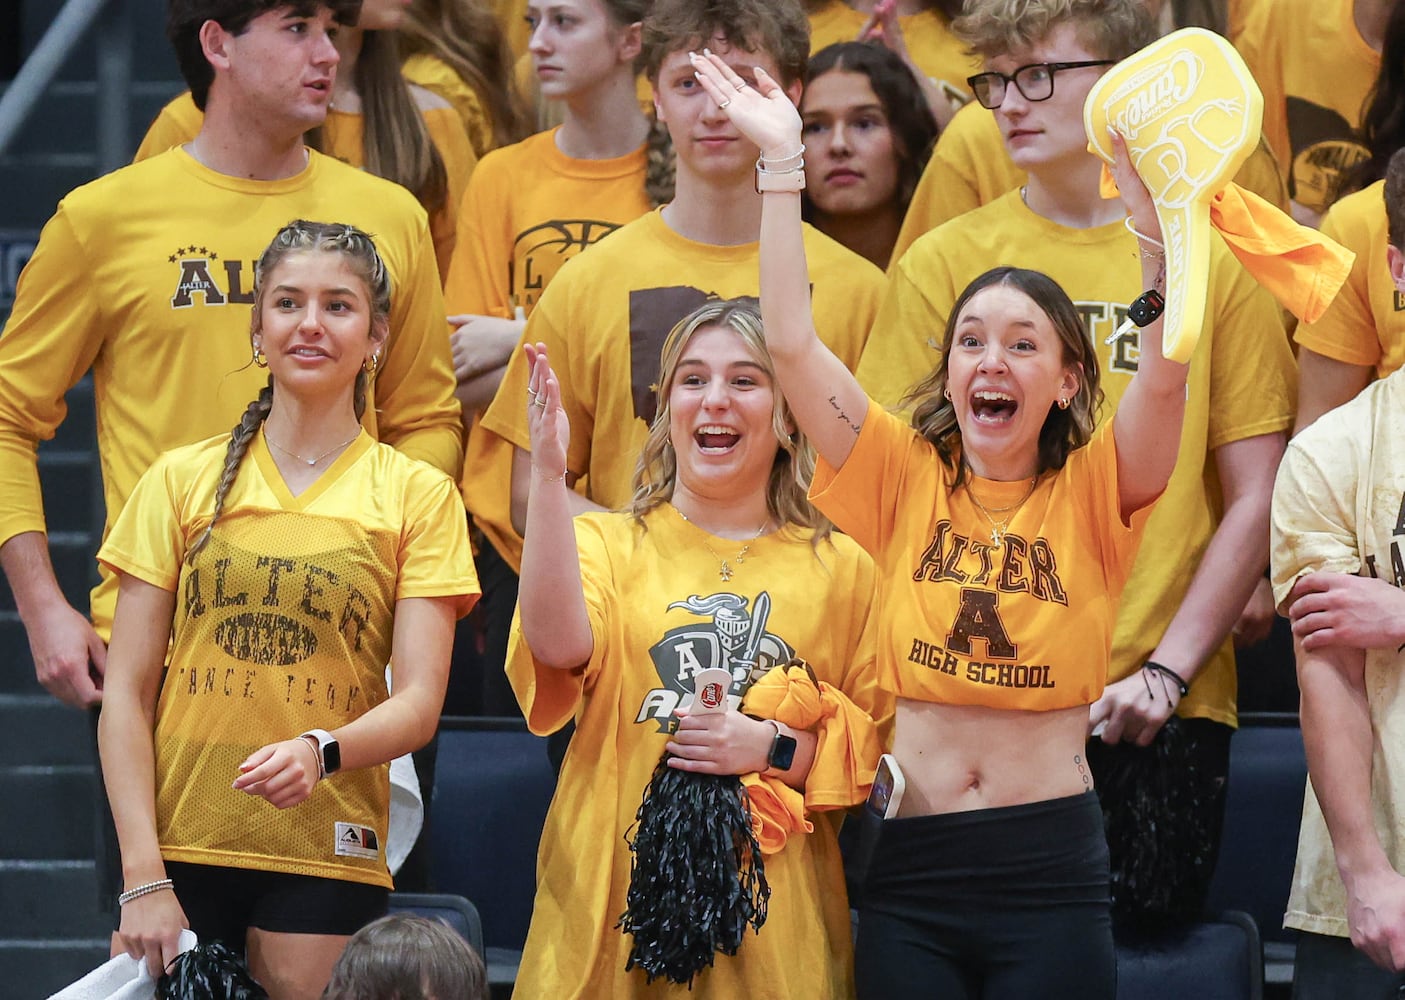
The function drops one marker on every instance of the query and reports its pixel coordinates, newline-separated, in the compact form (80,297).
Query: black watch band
(1147,308)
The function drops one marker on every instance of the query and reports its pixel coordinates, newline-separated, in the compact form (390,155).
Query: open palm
(764,114)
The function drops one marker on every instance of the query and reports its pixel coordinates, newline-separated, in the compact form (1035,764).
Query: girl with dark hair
(375,120)
(868,132)
(457,49)
(1383,119)
(917,31)
(283,585)
(1004,528)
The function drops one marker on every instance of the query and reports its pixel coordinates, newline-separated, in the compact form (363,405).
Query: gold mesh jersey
(283,625)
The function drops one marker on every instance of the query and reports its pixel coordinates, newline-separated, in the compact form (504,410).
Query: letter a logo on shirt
(355,841)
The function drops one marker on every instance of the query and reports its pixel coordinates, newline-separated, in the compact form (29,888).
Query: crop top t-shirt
(1025,625)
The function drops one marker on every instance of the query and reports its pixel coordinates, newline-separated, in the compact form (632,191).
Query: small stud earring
(1063,402)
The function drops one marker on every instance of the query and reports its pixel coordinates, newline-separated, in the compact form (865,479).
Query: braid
(254,416)
(660,171)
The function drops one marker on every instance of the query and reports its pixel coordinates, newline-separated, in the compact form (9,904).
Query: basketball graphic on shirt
(1191,114)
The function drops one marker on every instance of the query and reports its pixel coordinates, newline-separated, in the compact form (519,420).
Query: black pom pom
(696,880)
(1159,813)
(209,971)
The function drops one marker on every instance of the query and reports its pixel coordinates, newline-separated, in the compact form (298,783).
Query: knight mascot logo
(730,636)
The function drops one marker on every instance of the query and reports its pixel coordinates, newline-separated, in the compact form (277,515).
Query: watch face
(331,756)
(783,752)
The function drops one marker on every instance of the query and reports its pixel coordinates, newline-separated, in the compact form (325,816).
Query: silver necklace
(998,531)
(726,571)
(312,461)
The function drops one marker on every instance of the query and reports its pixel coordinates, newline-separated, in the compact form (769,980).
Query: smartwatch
(328,751)
(1147,308)
(782,754)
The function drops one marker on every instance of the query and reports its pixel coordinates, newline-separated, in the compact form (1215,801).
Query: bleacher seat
(1267,778)
(453,910)
(492,786)
(1214,960)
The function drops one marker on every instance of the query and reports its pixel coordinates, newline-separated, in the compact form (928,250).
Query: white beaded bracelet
(763,162)
(144,890)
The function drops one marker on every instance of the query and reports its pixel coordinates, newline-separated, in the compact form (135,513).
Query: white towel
(120,978)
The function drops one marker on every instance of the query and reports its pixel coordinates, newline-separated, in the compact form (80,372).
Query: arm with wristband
(152,918)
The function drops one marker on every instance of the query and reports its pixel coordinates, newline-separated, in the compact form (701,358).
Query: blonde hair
(300,236)
(788,485)
(1109,29)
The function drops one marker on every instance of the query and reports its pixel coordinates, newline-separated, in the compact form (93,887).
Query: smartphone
(858,845)
(886,794)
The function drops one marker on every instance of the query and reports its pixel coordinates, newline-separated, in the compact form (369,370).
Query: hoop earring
(947,393)
(260,359)
(372,364)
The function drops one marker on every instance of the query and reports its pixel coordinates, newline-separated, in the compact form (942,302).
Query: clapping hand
(764,114)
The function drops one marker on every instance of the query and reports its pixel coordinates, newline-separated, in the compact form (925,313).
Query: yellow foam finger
(1191,114)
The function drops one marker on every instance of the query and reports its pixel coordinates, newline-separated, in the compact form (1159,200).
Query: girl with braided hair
(283,565)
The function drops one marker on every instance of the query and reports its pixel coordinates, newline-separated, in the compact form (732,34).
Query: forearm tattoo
(841,415)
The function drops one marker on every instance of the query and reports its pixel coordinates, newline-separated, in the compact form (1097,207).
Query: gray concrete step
(56,803)
(37,730)
(35,970)
(43,900)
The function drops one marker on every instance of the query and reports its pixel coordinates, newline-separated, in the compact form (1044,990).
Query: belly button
(973,783)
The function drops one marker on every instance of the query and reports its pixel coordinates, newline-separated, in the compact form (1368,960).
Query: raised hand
(764,113)
(1135,196)
(884,27)
(546,420)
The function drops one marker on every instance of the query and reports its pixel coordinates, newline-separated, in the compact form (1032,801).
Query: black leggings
(989,904)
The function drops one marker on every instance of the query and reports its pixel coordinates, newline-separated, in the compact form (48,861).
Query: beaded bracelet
(144,890)
(788,170)
(1167,672)
(764,161)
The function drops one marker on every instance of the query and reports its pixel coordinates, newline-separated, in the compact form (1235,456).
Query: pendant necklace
(726,571)
(312,461)
(998,530)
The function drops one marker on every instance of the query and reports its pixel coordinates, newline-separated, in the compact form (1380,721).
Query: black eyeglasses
(1035,81)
